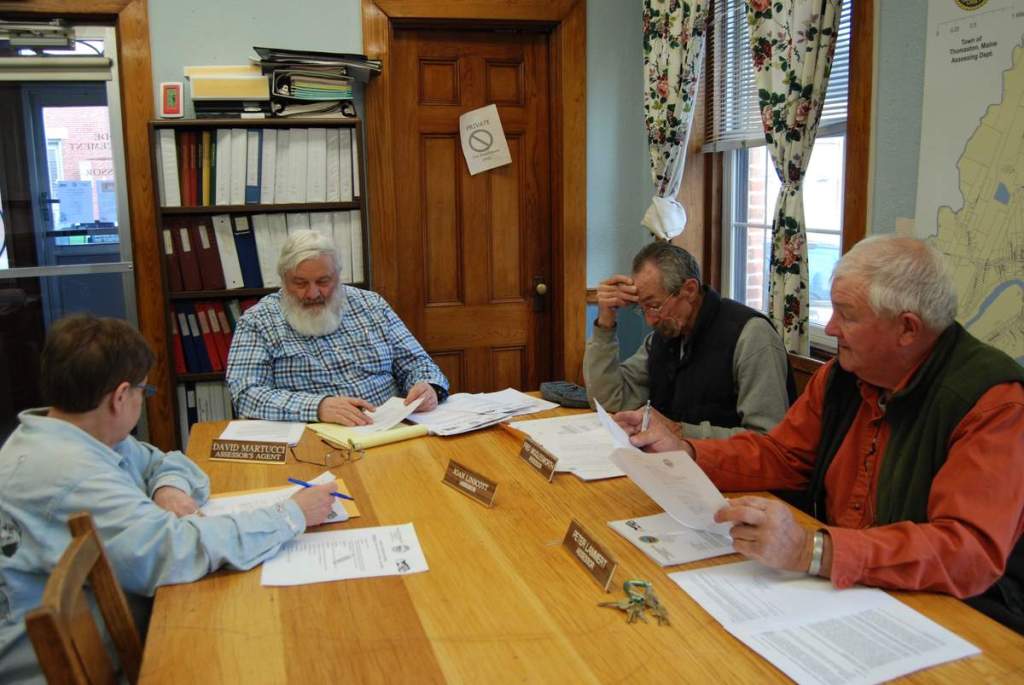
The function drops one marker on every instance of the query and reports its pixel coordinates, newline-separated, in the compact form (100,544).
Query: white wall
(619,185)
(899,91)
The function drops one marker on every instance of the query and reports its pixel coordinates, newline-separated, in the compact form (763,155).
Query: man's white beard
(316,320)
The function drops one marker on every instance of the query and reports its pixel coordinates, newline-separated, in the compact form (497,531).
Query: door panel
(472,246)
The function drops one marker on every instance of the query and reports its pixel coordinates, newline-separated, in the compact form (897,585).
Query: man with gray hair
(712,367)
(909,446)
(318,350)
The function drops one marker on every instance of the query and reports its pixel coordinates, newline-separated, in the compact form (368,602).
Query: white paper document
(387,415)
(346,554)
(240,504)
(483,140)
(619,436)
(669,543)
(579,442)
(264,431)
(463,412)
(816,634)
(676,483)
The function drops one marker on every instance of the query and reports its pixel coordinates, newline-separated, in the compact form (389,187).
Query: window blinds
(734,118)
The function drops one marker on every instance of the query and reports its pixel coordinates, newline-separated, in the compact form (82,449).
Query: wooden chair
(62,629)
(803,368)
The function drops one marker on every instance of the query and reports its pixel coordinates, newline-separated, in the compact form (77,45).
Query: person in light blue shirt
(318,350)
(77,455)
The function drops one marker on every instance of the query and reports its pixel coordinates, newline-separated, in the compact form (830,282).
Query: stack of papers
(264,431)
(346,554)
(580,443)
(463,412)
(816,634)
(218,505)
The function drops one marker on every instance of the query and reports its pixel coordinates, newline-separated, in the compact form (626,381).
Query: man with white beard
(318,350)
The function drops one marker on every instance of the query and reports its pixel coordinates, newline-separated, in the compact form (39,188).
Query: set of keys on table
(639,597)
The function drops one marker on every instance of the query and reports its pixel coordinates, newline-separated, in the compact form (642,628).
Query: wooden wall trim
(487,10)
(858,124)
(131,21)
(568,159)
(569,164)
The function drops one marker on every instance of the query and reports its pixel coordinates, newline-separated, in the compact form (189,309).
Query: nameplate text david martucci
(470,483)
(249,451)
(591,554)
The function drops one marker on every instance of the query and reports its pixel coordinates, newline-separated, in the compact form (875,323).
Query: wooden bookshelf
(166,216)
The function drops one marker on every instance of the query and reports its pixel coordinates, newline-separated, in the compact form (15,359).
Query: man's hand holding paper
(347,411)
(765,530)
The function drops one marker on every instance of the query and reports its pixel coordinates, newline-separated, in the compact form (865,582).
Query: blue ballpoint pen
(309,485)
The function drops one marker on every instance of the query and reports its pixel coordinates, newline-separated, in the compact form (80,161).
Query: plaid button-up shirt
(275,373)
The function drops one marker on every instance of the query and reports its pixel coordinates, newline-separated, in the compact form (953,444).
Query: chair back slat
(63,629)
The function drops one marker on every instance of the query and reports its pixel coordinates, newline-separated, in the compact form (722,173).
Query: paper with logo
(483,140)
(346,554)
(669,543)
(241,502)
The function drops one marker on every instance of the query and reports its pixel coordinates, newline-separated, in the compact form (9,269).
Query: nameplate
(539,458)
(248,451)
(590,553)
(470,483)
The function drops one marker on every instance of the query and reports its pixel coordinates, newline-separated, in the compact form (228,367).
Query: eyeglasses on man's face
(656,309)
(147,389)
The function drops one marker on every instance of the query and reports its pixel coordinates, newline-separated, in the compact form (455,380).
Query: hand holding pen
(645,422)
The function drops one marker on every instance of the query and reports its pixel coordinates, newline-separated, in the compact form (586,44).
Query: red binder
(184,168)
(174,283)
(187,258)
(208,338)
(206,309)
(204,244)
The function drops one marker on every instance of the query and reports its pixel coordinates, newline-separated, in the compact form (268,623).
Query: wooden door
(472,249)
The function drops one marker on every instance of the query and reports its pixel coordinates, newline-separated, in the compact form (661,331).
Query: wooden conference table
(503,601)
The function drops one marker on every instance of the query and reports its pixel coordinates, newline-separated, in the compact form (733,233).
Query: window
(750,185)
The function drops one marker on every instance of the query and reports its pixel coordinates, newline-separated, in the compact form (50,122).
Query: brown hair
(85,357)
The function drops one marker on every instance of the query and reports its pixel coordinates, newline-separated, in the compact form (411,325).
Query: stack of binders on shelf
(238,166)
(225,252)
(202,332)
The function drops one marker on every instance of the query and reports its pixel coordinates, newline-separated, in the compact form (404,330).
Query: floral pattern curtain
(793,44)
(673,58)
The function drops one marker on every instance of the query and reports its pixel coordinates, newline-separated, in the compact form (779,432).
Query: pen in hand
(645,422)
(304,484)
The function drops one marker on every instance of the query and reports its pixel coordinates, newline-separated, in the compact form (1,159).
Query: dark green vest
(922,417)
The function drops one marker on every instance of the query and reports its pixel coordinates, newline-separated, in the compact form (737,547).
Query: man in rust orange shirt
(909,446)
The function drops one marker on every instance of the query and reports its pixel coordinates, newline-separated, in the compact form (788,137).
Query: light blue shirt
(278,374)
(50,469)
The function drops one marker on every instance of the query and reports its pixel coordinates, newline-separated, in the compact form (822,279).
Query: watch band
(817,551)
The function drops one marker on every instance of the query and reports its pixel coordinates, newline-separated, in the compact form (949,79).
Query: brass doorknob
(542,288)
